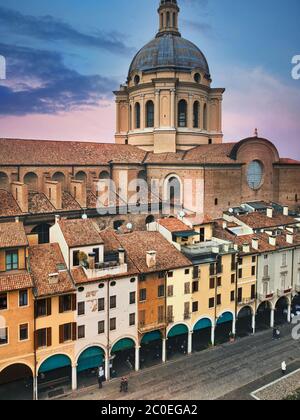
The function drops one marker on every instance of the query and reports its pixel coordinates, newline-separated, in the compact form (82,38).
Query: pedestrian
(278,334)
(283,368)
(122,385)
(101,377)
(274,333)
(125,384)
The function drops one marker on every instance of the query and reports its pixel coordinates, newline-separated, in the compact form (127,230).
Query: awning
(124,344)
(151,336)
(55,362)
(226,317)
(90,358)
(178,330)
(186,234)
(202,324)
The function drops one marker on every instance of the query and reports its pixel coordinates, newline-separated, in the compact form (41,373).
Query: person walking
(125,384)
(122,385)
(283,368)
(100,377)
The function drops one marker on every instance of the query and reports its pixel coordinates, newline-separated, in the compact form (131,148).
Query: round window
(113,283)
(137,79)
(101,286)
(197,77)
(132,280)
(255,174)
(81,289)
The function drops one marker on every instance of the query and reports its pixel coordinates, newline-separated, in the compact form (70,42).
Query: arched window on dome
(196,114)
(137,111)
(182,113)
(168,20)
(205,117)
(174,20)
(150,114)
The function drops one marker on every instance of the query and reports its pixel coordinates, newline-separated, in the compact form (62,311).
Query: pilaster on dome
(168,18)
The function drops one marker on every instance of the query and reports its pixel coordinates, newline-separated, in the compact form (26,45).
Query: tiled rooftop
(174,225)
(15,281)
(258,220)
(80,232)
(12,235)
(8,205)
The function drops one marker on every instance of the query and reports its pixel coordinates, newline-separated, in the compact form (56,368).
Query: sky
(65,57)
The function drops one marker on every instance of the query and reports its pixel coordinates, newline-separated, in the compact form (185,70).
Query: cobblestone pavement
(231,371)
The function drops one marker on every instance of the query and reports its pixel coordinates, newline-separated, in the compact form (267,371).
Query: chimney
(151,259)
(53,192)
(246,248)
(121,252)
(270,212)
(226,247)
(53,278)
(225,224)
(290,238)
(272,240)
(20,194)
(78,192)
(255,243)
(91,261)
(17,219)
(57,218)
(285,210)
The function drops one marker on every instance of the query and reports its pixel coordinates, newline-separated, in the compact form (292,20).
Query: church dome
(169,52)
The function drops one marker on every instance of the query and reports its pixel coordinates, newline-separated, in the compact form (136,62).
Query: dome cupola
(168,17)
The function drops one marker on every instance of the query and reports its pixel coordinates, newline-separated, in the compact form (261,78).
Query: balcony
(263,297)
(144,327)
(187,316)
(106,269)
(282,293)
(246,301)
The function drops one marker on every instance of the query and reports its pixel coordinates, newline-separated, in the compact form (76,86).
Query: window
(216,201)
(240,295)
(3,302)
(187,272)
(161,314)
(266,271)
(195,306)
(255,173)
(232,278)
(23,332)
(253,271)
(131,320)
(219,281)
(196,272)
(161,275)
(136,79)
(253,291)
(187,314)
(143,295)
(196,114)
(202,235)
(240,273)
(67,303)
(219,300)
(137,110)
(3,336)
(101,327)
(75,258)
(212,283)
(150,114)
(81,332)
(205,117)
(187,288)
(170,314)
(284,260)
(211,303)
(96,252)
(44,338)
(113,302)
(170,274)
(161,291)
(182,113)
(43,307)
(12,260)
(113,324)
(81,308)
(232,296)
(254,260)
(132,298)
(67,332)
(195,287)
(170,291)
(197,77)
(101,304)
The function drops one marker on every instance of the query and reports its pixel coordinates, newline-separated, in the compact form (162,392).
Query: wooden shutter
(61,304)
(61,334)
(36,337)
(49,337)
(74,303)
(49,306)
(74,331)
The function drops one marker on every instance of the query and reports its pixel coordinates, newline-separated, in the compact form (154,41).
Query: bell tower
(168,18)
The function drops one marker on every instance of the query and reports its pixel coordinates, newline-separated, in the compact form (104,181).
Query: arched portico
(151,349)
(224,326)
(264,316)
(282,310)
(179,340)
(54,372)
(124,356)
(202,334)
(16,382)
(245,322)
(88,362)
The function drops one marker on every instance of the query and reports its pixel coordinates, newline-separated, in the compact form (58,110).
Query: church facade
(168,131)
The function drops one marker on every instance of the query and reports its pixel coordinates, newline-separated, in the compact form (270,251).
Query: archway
(4,181)
(123,357)
(202,334)
(173,194)
(60,177)
(31,179)
(149,219)
(296,305)
(43,232)
(87,365)
(244,322)
(16,383)
(223,328)
(263,316)
(104,175)
(55,375)
(177,340)
(281,311)
(81,176)
(151,349)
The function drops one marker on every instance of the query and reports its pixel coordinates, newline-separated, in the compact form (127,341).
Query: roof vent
(151,259)
(53,278)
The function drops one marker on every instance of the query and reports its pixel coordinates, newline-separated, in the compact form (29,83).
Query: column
(74,378)
(289,314)
(190,112)
(213,330)
(234,326)
(107,368)
(35,388)
(157,109)
(253,323)
(190,342)
(118,117)
(132,115)
(143,112)
(164,350)
(137,358)
(173,108)
(272,320)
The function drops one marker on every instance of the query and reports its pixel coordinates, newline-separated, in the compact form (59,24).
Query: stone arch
(203,318)
(61,178)
(31,179)
(16,381)
(81,176)
(4,181)
(120,339)
(178,324)
(43,232)
(47,358)
(104,175)
(173,190)
(21,362)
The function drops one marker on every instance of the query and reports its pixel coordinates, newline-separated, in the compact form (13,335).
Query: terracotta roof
(44,261)
(288,161)
(42,152)
(198,219)
(80,232)
(8,205)
(174,225)
(137,244)
(15,281)
(38,203)
(258,220)
(69,203)
(12,235)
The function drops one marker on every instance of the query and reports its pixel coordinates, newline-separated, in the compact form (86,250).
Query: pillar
(272,320)
(137,358)
(107,368)
(213,330)
(74,378)
(190,342)
(118,117)
(35,388)
(173,108)
(157,109)
(164,350)
(132,125)
(190,112)
(143,112)
(253,323)
(234,326)
(289,314)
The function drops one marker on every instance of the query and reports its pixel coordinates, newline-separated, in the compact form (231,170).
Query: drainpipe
(35,379)
(107,364)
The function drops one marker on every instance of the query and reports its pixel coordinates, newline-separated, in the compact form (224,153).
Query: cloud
(47,28)
(38,82)
(201,27)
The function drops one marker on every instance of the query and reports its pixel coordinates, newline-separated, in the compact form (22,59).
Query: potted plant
(83,259)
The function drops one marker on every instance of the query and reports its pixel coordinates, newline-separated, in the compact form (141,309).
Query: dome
(169,52)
